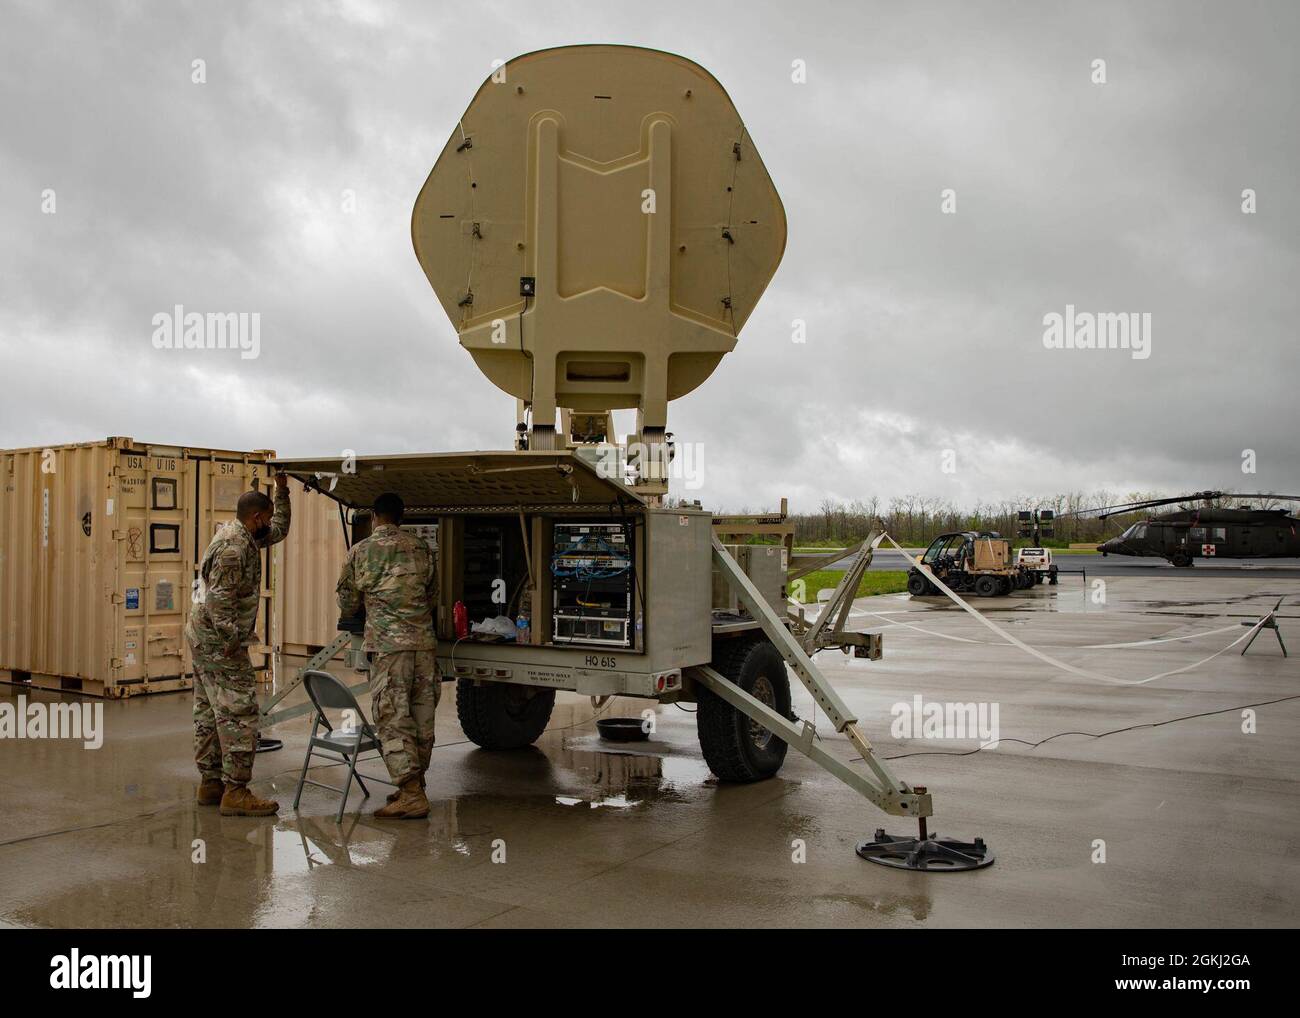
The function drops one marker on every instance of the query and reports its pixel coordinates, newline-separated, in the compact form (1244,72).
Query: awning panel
(533,481)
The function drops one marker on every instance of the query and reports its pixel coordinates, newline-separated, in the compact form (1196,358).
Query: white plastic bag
(499,626)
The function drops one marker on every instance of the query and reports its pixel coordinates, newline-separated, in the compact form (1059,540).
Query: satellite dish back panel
(624,184)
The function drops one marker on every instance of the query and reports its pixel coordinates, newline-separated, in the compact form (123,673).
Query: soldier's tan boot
(210,793)
(240,802)
(410,804)
(396,792)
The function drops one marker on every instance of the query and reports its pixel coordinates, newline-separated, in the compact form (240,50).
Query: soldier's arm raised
(222,600)
(280,513)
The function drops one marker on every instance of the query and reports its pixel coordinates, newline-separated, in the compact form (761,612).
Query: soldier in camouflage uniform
(392,573)
(220,630)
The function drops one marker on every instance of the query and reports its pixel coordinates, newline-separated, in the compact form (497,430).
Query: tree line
(915,520)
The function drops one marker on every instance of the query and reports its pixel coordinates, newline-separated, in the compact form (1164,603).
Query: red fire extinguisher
(460,619)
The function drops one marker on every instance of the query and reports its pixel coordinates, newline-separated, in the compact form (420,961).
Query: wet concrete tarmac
(1200,821)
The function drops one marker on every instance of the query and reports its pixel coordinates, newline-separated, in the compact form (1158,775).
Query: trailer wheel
(502,715)
(736,748)
(986,586)
(917,585)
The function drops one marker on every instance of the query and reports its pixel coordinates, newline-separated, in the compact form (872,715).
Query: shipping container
(99,546)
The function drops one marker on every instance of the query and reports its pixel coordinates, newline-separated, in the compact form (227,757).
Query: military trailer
(598,228)
(627,615)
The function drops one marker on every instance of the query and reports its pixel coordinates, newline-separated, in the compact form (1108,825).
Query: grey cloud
(924,330)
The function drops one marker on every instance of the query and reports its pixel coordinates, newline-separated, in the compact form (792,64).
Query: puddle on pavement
(621,779)
(913,906)
(615,801)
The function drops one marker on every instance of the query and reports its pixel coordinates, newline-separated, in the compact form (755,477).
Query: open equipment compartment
(497,515)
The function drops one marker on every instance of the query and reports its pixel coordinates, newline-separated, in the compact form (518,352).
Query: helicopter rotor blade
(1102,512)
(1127,507)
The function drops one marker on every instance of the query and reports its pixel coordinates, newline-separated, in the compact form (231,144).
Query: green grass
(884,581)
(816,547)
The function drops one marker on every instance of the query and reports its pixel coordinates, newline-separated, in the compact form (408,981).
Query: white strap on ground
(1084,646)
(1047,658)
(1149,642)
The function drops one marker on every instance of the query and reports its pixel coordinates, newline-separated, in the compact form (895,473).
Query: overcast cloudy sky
(925,330)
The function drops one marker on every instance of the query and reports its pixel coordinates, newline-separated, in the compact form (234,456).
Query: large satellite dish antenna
(598,228)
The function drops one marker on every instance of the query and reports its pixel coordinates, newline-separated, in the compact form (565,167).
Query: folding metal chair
(328,690)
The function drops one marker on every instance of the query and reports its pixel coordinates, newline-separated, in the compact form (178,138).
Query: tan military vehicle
(968,562)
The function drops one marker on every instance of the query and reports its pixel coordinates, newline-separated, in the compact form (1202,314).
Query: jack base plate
(932,854)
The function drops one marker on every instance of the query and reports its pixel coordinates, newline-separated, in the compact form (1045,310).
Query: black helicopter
(1184,535)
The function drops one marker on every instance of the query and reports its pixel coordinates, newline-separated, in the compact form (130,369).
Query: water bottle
(522,634)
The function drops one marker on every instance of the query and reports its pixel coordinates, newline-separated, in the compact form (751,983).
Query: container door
(156,491)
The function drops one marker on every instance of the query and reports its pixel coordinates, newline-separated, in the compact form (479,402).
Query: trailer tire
(502,715)
(736,748)
(918,585)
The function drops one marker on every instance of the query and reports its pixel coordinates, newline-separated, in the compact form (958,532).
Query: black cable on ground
(88,827)
(1096,735)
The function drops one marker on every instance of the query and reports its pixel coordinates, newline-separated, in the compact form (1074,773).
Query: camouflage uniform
(219,631)
(394,574)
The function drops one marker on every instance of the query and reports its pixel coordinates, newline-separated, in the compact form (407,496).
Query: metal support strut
(1269,622)
(318,661)
(880,787)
